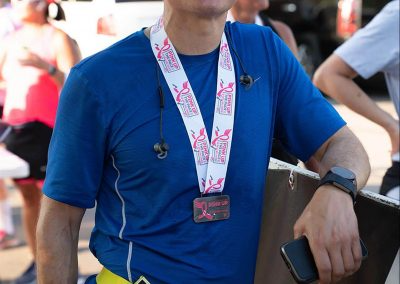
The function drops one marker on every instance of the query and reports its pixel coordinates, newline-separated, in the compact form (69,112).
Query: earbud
(247,81)
(161,149)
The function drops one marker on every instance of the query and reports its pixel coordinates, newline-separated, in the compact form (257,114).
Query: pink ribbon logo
(157,27)
(203,207)
(221,137)
(200,146)
(164,48)
(199,138)
(185,90)
(214,186)
(225,89)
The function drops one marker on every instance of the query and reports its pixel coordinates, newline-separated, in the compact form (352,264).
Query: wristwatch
(343,179)
(52,70)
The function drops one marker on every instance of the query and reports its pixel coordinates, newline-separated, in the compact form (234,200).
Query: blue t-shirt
(102,151)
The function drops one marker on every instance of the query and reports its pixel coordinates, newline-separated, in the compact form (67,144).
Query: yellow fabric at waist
(107,277)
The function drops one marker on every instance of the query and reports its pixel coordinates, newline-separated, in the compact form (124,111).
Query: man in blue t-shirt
(158,218)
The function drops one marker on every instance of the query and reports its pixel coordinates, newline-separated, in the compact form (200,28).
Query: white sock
(6,222)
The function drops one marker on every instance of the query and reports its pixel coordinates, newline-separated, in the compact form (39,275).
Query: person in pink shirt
(34,61)
(8,24)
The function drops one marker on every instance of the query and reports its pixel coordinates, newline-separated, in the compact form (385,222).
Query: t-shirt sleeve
(374,48)
(304,118)
(77,148)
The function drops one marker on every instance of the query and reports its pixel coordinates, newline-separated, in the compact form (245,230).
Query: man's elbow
(320,77)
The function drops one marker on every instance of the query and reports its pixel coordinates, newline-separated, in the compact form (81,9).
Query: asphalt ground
(375,140)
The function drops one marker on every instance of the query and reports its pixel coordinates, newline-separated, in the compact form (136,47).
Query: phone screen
(300,261)
(298,257)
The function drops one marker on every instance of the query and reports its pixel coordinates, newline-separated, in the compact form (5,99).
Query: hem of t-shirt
(358,69)
(322,139)
(82,203)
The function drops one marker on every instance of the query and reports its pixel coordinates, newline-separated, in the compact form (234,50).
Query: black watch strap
(52,70)
(341,183)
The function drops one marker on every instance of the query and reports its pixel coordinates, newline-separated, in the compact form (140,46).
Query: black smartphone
(300,261)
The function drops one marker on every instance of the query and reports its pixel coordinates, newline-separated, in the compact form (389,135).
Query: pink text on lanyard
(200,146)
(167,57)
(225,58)
(185,100)
(220,146)
(224,98)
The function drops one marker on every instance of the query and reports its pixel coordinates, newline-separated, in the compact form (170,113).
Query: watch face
(345,173)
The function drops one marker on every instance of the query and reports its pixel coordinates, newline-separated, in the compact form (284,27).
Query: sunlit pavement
(374,139)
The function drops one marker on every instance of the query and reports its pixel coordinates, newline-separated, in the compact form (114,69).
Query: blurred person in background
(7,230)
(108,149)
(8,24)
(373,49)
(247,11)
(34,61)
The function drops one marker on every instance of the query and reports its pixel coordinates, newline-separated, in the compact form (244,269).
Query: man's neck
(191,34)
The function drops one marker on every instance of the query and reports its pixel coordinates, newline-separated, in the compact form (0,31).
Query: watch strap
(52,70)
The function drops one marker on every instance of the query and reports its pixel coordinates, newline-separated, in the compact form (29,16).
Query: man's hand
(331,227)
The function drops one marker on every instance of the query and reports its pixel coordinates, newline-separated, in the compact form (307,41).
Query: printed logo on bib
(185,100)
(224,98)
(200,146)
(225,57)
(220,146)
(167,57)
(213,186)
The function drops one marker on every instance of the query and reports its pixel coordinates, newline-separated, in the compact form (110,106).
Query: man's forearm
(335,78)
(345,150)
(57,242)
(329,221)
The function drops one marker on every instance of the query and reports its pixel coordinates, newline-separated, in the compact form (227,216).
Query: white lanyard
(211,162)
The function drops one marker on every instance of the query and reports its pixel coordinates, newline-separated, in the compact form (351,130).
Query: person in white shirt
(373,49)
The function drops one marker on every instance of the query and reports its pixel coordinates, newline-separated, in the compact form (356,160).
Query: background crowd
(36,57)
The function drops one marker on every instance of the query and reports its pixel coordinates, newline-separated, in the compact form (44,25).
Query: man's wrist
(342,179)
(334,191)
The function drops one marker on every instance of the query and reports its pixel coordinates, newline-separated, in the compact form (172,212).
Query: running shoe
(29,276)
(8,241)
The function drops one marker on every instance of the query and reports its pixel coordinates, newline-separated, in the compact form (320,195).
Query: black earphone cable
(161,97)
(244,79)
(234,51)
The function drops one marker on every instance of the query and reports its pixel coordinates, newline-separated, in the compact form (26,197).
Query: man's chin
(212,8)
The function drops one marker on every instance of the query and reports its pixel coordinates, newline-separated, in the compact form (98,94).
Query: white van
(96,24)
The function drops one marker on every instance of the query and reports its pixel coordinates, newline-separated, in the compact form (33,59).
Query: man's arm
(329,220)
(335,78)
(57,242)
